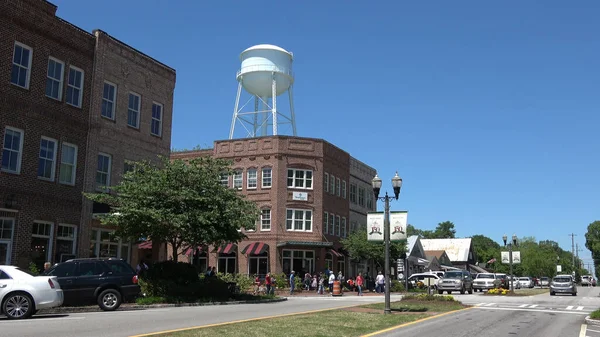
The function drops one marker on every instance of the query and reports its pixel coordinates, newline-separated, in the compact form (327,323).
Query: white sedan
(22,294)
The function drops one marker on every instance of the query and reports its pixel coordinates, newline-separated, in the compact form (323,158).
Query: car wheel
(18,306)
(440,292)
(449,292)
(462,291)
(109,300)
(574,294)
(551,294)
(471,290)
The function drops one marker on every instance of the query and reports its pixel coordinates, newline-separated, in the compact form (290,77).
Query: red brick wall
(33,23)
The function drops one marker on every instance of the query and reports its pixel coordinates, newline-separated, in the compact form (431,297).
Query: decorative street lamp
(396,184)
(510,259)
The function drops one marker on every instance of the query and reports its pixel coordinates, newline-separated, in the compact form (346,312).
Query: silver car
(485,281)
(562,284)
(456,280)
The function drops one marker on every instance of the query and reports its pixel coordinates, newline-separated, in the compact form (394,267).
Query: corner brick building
(52,132)
(301,186)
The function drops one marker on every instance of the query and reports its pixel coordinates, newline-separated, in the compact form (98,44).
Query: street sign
(559,268)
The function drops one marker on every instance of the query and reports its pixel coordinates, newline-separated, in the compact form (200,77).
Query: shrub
(243,282)
(595,314)
(281,281)
(426,297)
(150,300)
(397,286)
(33,268)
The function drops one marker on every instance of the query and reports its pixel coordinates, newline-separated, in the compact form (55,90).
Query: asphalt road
(541,315)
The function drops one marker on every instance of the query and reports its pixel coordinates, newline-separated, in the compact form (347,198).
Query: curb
(590,321)
(60,310)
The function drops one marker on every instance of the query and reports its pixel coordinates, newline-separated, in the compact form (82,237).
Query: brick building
(51,99)
(301,187)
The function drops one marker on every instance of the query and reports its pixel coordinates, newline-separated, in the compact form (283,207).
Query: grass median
(350,321)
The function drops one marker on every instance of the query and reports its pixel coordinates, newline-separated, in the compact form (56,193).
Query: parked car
(586,280)
(526,282)
(456,280)
(485,281)
(563,284)
(593,282)
(544,281)
(23,294)
(503,278)
(425,279)
(107,282)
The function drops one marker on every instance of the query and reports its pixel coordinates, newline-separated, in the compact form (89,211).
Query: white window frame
(160,121)
(326,182)
(344,189)
(64,238)
(49,237)
(76,88)
(59,80)
(293,220)
(97,243)
(238,179)
(338,187)
(332,184)
(304,180)
(9,241)
(54,156)
(344,231)
(130,109)
(74,175)
(224,178)
(28,75)
(20,153)
(252,182)
(228,259)
(332,224)
(326,222)
(264,227)
(112,100)
(108,175)
(337,225)
(268,179)
(311,260)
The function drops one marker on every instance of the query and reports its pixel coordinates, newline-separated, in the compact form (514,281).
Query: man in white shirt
(380,283)
(331,279)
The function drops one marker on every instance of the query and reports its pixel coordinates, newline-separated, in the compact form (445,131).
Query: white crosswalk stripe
(570,307)
(489,304)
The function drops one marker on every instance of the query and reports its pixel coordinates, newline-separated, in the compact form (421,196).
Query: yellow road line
(241,321)
(413,322)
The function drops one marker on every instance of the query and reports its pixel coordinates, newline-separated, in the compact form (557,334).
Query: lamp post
(396,184)
(510,259)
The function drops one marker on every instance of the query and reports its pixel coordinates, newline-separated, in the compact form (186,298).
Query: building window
(54,78)
(103,171)
(352,227)
(12,150)
(329,261)
(109,98)
(369,201)
(343,234)
(341,264)
(157,115)
(326,182)
(75,87)
(21,67)
(224,179)
(133,110)
(258,265)
(361,196)
(6,238)
(227,264)
(338,187)
(265,219)
(299,178)
(337,225)
(298,260)
(267,177)
(41,243)
(238,178)
(325,222)
(252,178)
(332,224)
(344,189)
(353,193)
(332,184)
(299,220)
(47,159)
(68,164)
(104,243)
(66,239)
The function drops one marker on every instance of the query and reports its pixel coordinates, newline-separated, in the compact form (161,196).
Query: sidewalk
(313,293)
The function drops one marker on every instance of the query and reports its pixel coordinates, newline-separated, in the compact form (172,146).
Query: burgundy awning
(190,250)
(227,248)
(145,245)
(255,248)
(336,253)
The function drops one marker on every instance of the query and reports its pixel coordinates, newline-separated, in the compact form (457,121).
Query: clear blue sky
(489,111)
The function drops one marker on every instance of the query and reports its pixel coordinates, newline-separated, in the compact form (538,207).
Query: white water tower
(265,74)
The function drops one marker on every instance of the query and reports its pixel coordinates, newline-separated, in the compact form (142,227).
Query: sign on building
(375,230)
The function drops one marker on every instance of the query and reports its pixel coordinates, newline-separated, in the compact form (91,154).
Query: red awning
(190,250)
(336,253)
(227,248)
(145,245)
(256,248)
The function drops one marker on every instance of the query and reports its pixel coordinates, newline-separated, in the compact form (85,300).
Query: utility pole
(573,247)
(577,250)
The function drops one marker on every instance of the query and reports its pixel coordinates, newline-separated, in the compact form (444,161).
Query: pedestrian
(208,271)
(268,283)
(292,282)
(307,281)
(141,267)
(331,280)
(47,266)
(359,283)
(379,282)
(314,283)
(321,284)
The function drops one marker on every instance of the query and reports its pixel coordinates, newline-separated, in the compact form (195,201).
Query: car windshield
(485,276)
(544,279)
(453,275)
(562,279)
(524,279)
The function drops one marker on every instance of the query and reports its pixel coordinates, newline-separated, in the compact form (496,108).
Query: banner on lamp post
(516,257)
(398,221)
(375,226)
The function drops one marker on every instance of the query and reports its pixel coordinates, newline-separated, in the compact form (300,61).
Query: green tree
(179,203)
(592,239)
(485,248)
(444,230)
(425,234)
(359,248)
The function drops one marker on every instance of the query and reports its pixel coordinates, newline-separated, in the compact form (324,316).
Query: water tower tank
(258,65)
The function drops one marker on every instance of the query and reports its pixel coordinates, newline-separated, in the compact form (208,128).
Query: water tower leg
(235,110)
(292,113)
(274,112)
(264,116)
(255,116)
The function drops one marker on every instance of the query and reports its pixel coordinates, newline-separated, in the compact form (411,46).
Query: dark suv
(104,281)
